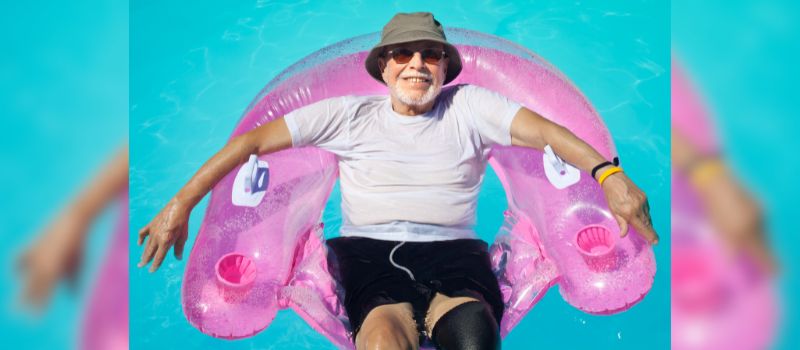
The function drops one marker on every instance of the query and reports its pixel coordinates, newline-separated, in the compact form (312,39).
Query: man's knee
(470,326)
(388,327)
(383,337)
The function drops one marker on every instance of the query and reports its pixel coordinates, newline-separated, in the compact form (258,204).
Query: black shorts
(454,268)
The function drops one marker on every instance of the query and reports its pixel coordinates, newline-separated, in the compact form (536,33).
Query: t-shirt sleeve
(322,124)
(491,114)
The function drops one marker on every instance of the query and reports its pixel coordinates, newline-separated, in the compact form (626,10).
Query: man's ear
(381,64)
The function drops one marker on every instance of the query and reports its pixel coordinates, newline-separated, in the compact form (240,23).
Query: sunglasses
(403,55)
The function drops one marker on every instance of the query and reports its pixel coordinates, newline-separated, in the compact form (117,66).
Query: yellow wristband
(704,172)
(608,173)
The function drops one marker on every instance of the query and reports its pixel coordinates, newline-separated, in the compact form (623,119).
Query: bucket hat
(408,27)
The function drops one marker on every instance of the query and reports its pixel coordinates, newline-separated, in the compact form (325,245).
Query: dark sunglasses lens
(402,55)
(431,56)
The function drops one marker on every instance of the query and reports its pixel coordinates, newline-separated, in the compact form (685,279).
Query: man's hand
(629,205)
(56,255)
(627,202)
(170,227)
(737,217)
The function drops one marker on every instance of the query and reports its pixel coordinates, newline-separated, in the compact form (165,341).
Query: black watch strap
(615,162)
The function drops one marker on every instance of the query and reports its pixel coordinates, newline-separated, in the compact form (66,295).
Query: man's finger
(181,242)
(32,292)
(38,290)
(757,248)
(148,252)
(144,232)
(643,226)
(23,262)
(160,254)
(623,225)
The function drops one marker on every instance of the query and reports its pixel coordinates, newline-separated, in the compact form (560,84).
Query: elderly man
(411,165)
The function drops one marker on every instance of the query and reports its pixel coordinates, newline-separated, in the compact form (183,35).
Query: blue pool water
(195,67)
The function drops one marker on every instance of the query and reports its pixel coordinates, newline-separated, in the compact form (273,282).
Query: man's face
(416,82)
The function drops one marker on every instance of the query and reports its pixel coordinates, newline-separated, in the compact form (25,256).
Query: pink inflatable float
(105,325)
(260,246)
(719,301)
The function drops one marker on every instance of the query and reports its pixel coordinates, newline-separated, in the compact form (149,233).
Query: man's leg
(440,305)
(388,326)
(466,323)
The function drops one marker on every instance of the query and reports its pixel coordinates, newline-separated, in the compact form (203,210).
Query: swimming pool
(195,67)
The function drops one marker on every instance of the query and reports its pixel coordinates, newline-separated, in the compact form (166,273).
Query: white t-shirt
(408,178)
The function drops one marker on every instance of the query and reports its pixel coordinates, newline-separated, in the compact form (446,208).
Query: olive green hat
(408,27)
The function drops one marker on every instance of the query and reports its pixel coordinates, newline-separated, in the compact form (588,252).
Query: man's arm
(58,251)
(626,201)
(732,210)
(170,226)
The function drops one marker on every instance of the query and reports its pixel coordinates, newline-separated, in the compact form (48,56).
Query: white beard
(433,91)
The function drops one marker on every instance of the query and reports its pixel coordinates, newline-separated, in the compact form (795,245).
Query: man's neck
(411,110)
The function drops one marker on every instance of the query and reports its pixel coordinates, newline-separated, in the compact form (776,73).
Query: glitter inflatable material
(266,252)
(105,325)
(688,114)
(719,301)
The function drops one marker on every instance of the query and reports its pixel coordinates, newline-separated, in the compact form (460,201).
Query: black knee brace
(467,326)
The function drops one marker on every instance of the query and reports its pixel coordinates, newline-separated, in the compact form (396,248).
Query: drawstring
(391,260)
